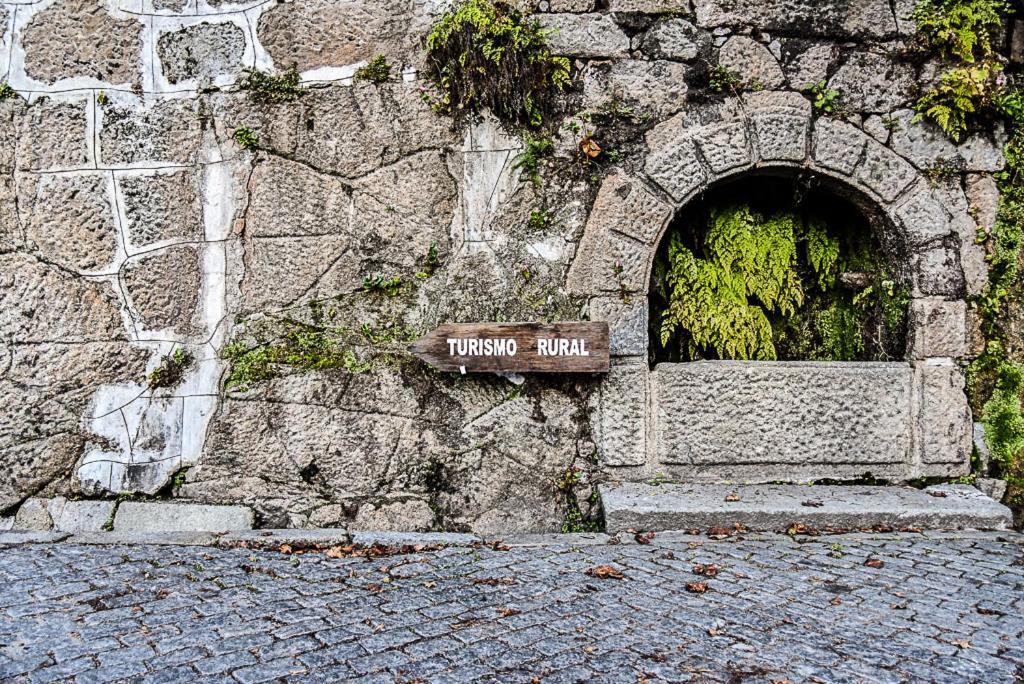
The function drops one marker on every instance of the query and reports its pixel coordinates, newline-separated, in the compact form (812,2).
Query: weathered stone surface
(70,219)
(938,327)
(322,33)
(672,162)
(202,51)
(873,82)
(658,87)
(140,516)
(413,515)
(937,270)
(627,322)
(923,217)
(751,61)
(837,145)
(621,421)
(84,516)
(80,38)
(164,288)
(745,421)
(836,18)
(724,146)
(162,207)
(811,66)
(675,39)
(774,508)
(34,515)
(945,420)
(50,134)
(168,132)
(924,144)
(399,538)
(42,303)
(625,205)
(983,197)
(992,488)
(585,35)
(886,173)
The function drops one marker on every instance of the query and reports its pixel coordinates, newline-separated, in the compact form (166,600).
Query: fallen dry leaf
(961,643)
(644,537)
(876,563)
(605,572)
(720,532)
(589,147)
(732,498)
(709,570)
(508,612)
(836,601)
(988,611)
(697,587)
(714,631)
(495,581)
(812,504)
(937,495)
(430,584)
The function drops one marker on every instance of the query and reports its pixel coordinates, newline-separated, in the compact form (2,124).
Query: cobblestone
(942,608)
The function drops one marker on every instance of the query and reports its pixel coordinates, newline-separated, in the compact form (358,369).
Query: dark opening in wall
(777,265)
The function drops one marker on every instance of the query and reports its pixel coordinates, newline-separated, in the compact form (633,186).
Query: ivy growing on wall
(487,55)
(975,90)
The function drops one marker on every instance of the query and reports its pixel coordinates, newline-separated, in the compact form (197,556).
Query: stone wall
(132,225)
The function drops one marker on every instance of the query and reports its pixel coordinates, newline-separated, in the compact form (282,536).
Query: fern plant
(964,29)
(961,92)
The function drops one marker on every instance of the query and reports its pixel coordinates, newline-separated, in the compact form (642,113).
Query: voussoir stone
(838,145)
(884,171)
(139,516)
(203,51)
(81,38)
(673,162)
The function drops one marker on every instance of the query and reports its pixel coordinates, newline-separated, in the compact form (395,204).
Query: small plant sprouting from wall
(171,370)
(487,55)
(377,70)
(824,100)
(272,88)
(7,92)
(246,138)
(391,286)
(764,284)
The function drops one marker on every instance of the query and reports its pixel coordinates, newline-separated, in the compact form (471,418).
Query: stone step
(775,508)
(152,516)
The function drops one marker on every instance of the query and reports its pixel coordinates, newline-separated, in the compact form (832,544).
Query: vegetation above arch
(487,55)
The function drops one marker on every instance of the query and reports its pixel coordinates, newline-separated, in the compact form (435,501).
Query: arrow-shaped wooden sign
(516,348)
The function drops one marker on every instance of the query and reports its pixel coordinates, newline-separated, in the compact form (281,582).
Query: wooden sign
(516,348)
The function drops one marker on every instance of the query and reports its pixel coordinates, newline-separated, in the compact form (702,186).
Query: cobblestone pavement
(853,608)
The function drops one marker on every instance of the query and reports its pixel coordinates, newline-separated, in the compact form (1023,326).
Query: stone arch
(695,150)
(924,429)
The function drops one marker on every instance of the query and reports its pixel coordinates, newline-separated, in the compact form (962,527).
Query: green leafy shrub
(246,138)
(377,70)
(535,150)
(1002,416)
(485,54)
(272,88)
(754,284)
(961,93)
(723,79)
(964,29)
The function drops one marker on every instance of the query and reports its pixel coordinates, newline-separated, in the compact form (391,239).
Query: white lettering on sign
(461,346)
(554,347)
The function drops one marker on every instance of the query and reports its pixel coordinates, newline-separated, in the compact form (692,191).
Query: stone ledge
(313,537)
(414,539)
(636,506)
(31,537)
(139,516)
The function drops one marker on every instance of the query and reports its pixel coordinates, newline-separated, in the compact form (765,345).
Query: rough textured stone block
(414,515)
(885,172)
(945,418)
(774,508)
(923,217)
(746,419)
(623,415)
(658,87)
(625,205)
(673,162)
(627,323)
(34,514)
(585,35)
(838,145)
(203,51)
(168,132)
(841,18)
(51,134)
(83,516)
(136,516)
(725,146)
(752,61)
(938,327)
(872,82)
(414,539)
(676,39)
